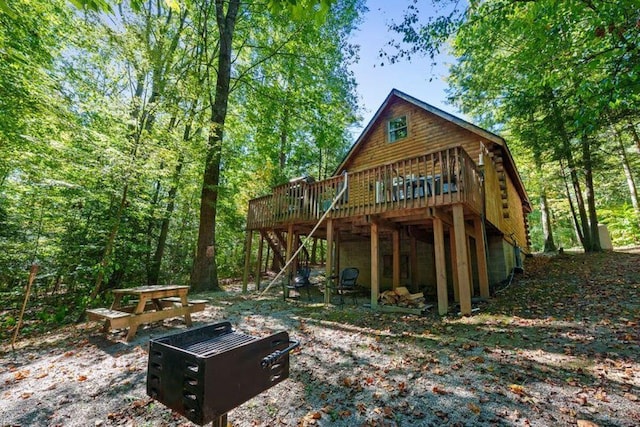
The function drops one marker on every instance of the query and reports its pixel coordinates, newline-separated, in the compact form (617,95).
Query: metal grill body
(205,372)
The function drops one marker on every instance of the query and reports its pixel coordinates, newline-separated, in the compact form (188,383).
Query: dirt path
(560,346)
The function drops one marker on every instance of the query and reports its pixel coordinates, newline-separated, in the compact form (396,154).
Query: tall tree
(271,47)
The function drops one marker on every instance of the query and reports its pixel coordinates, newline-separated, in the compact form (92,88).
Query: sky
(376,81)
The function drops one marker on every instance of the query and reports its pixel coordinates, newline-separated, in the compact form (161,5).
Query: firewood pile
(401,297)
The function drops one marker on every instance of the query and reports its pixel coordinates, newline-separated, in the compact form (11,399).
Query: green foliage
(556,78)
(623,224)
(104,135)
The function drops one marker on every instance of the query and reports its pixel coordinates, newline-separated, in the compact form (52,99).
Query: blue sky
(375,81)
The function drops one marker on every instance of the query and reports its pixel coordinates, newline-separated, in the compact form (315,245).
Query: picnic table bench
(153,303)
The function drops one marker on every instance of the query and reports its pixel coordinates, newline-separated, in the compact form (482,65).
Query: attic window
(398,128)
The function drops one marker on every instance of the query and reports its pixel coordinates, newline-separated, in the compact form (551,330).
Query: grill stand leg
(220,422)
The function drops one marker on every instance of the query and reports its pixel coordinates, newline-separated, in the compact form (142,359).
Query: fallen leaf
(20,375)
(438,390)
(631,397)
(82,378)
(581,400)
(474,408)
(442,414)
(517,389)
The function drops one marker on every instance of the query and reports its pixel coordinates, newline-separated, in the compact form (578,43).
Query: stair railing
(310,235)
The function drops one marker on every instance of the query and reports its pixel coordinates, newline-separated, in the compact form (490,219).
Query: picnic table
(151,304)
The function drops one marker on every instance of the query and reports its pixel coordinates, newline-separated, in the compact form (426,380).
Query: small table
(151,307)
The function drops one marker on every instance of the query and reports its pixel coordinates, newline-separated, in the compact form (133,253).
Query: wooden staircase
(276,242)
(496,155)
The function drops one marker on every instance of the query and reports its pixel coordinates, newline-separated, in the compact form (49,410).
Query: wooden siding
(493,200)
(427,133)
(513,226)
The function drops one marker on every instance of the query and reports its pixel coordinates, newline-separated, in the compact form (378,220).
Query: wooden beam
(247,260)
(481,255)
(383,223)
(328,267)
(375,270)
(396,258)
(444,216)
(441,267)
(462,261)
(259,263)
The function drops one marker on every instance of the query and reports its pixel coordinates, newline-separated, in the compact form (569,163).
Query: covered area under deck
(434,198)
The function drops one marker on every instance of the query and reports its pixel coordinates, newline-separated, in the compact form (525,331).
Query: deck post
(259,263)
(462,261)
(247,260)
(396,258)
(328,272)
(441,267)
(454,262)
(336,262)
(375,270)
(288,256)
(481,255)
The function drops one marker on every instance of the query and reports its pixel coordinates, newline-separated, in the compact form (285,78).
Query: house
(423,199)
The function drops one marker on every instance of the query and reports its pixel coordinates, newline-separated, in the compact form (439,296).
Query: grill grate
(218,344)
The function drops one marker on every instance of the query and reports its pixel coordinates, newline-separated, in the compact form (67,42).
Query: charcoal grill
(205,372)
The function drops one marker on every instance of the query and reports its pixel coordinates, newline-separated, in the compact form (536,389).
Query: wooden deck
(435,179)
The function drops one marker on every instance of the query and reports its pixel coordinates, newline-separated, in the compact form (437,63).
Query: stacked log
(401,297)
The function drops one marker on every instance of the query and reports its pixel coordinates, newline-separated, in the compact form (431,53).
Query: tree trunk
(633,190)
(634,134)
(549,245)
(547,230)
(204,274)
(573,174)
(154,273)
(106,255)
(594,239)
(574,217)
(134,135)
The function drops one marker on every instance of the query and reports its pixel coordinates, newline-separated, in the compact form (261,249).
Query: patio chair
(301,280)
(347,284)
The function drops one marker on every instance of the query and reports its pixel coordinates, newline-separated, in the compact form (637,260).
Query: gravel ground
(559,346)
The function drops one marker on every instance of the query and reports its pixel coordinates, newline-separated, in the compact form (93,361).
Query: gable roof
(396,94)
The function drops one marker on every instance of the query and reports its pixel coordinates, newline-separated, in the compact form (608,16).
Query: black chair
(301,280)
(348,284)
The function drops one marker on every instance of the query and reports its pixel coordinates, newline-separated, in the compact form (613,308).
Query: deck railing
(433,179)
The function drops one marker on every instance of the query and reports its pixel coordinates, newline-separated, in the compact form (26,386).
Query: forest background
(133,134)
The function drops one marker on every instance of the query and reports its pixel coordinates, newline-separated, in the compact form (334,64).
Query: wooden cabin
(426,201)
